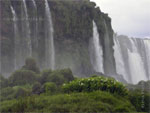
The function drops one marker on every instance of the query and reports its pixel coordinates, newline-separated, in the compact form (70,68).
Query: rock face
(73,28)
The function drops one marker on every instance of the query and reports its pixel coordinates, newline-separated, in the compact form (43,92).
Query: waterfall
(50,50)
(16,33)
(109,64)
(97,56)
(131,58)
(35,30)
(147,48)
(28,32)
(136,64)
(136,67)
(120,66)
(34,4)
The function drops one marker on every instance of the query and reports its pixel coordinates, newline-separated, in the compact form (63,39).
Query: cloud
(129,17)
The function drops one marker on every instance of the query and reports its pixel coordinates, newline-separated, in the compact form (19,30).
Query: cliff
(72,23)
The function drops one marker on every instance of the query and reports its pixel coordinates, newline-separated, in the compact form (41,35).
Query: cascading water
(34,4)
(136,67)
(120,66)
(109,64)
(50,50)
(16,35)
(147,48)
(27,29)
(97,56)
(130,61)
(35,40)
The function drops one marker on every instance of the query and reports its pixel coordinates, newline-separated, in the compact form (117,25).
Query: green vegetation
(58,91)
(75,102)
(96,83)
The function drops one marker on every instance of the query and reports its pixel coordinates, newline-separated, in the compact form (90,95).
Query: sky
(129,17)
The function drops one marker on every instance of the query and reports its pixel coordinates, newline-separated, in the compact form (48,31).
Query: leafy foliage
(76,102)
(36,88)
(22,77)
(141,100)
(3,82)
(50,87)
(96,83)
(30,64)
(58,76)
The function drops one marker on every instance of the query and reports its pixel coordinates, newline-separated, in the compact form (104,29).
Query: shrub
(21,92)
(96,83)
(93,102)
(44,76)
(50,87)
(140,99)
(30,64)
(7,93)
(3,82)
(36,88)
(22,77)
(57,78)
(67,73)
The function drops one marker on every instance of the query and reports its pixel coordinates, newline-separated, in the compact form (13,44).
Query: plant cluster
(96,83)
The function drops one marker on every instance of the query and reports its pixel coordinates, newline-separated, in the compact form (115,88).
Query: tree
(30,64)
(22,77)
(36,89)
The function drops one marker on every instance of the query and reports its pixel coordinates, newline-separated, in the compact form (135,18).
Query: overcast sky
(129,17)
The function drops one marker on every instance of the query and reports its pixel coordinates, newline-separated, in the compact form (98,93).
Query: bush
(21,92)
(93,102)
(3,82)
(50,87)
(36,88)
(22,77)
(30,64)
(57,78)
(67,73)
(7,93)
(141,100)
(44,76)
(96,83)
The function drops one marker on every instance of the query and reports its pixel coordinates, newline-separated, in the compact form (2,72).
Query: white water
(120,66)
(136,64)
(15,37)
(29,44)
(34,3)
(50,50)
(136,67)
(36,25)
(98,66)
(147,48)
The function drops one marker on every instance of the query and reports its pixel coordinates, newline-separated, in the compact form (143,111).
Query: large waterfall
(132,58)
(96,51)
(50,51)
